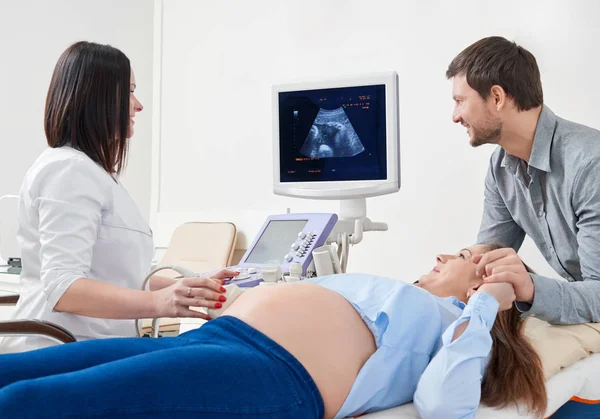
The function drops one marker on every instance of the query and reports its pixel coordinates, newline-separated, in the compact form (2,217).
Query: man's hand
(504,265)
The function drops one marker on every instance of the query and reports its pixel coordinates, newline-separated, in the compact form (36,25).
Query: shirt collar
(455,301)
(542,143)
(509,162)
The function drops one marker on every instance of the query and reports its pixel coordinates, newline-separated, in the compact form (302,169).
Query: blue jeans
(225,369)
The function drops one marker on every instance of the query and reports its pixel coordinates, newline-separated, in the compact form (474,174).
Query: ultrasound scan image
(332,135)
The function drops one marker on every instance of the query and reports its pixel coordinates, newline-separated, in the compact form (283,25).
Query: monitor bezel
(344,189)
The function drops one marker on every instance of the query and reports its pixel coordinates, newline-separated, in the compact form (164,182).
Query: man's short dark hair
(498,61)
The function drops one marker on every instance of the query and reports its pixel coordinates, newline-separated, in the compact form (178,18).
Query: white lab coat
(76,221)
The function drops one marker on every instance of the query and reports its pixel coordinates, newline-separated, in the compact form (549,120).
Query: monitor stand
(352,222)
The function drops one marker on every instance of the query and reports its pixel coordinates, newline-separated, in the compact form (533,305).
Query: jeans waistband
(238,329)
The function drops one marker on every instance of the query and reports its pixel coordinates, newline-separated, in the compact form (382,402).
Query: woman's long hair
(514,372)
(87,106)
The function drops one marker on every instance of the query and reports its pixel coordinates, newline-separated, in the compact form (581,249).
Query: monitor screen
(275,242)
(333,134)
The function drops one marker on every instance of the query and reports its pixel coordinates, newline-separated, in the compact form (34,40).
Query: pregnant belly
(318,327)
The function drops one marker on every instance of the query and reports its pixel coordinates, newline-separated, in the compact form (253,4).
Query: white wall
(219,60)
(34,33)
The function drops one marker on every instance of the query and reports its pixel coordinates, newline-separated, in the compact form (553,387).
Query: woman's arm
(158,282)
(70,200)
(92,298)
(450,387)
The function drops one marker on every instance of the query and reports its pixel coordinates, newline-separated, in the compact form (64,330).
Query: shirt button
(552,250)
(541,213)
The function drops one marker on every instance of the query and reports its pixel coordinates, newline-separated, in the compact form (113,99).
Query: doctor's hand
(503,292)
(224,274)
(176,300)
(504,265)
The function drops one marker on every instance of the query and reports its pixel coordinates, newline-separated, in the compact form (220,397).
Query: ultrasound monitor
(337,139)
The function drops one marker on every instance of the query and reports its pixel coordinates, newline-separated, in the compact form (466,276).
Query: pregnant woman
(330,347)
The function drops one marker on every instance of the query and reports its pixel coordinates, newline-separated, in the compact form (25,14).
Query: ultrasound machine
(284,240)
(332,140)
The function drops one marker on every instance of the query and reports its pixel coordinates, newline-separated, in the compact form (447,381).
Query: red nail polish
(218,305)
(223,289)
(222,298)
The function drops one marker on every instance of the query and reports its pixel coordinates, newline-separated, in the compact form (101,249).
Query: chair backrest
(9,224)
(201,247)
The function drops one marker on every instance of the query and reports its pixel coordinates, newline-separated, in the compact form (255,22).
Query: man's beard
(490,133)
(488,136)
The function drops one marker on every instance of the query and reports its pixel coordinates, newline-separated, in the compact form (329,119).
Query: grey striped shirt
(556,201)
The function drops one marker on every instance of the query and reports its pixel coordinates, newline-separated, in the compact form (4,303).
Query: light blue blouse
(415,357)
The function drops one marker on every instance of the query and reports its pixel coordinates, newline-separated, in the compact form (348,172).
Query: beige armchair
(200,247)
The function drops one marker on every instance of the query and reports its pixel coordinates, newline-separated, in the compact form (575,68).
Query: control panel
(282,240)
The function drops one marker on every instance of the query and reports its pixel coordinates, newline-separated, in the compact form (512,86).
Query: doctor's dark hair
(87,106)
(514,372)
(498,61)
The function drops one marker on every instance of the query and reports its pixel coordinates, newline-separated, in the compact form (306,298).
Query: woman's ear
(473,289)
(467,295)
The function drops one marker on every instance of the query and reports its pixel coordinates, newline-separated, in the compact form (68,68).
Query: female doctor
(85,247)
